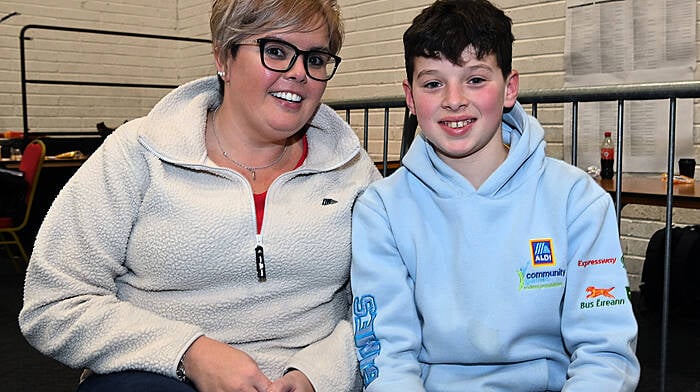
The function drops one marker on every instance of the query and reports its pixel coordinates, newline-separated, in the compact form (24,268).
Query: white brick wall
(195,60)
(52,55)
(372,67)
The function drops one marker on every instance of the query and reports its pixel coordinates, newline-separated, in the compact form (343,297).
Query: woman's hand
(293,381)
(217,367)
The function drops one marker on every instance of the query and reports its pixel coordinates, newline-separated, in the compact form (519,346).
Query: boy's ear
(409,96)
(512,88)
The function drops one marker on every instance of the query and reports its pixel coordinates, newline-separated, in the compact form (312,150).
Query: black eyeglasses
(280,56)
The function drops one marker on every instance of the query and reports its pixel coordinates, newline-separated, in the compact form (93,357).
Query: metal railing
(409,123)
(620,94)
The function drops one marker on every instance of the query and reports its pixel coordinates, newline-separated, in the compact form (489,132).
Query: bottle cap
(608,133)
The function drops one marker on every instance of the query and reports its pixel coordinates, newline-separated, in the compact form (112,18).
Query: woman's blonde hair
(233,21)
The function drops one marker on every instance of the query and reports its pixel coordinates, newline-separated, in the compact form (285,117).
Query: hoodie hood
(175,128)
(526,156)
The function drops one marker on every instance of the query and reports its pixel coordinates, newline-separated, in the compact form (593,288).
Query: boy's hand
(217,367)
(293,381)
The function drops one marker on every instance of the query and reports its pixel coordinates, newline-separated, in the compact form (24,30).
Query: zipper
(260,258)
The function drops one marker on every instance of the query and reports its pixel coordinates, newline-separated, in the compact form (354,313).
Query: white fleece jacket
(150,246)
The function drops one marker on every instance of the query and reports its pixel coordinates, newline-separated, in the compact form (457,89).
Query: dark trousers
(133,381)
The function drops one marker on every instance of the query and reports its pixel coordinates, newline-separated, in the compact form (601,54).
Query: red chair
(31,163)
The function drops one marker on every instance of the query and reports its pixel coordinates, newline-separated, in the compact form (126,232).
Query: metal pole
(618,160)
(385,151)
(574,133)
(23,78)
(667,249)
(366,128)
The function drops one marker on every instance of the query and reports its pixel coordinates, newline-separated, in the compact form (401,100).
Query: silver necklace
(251,169)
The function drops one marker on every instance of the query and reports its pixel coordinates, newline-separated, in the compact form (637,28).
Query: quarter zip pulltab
(260,259)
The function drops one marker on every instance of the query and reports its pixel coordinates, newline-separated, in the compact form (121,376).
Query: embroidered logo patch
(586,263)
(594,292)
(542,253)
(601,297)
(530,279)
(326,202)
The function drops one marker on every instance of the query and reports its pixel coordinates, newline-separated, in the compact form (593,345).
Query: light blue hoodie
(516,286)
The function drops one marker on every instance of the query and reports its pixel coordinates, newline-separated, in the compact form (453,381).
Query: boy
(482,264)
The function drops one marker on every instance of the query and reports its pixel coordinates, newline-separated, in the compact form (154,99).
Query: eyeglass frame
(261,42)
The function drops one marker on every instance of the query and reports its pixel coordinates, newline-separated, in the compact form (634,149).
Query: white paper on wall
(617,42)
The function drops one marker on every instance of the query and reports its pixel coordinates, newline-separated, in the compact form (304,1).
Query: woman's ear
(220,62)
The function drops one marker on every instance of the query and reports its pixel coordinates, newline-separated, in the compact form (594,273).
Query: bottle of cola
(607,156)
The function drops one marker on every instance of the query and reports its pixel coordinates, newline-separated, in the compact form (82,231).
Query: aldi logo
(542,253)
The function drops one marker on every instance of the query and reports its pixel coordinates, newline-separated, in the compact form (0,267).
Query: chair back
(31,164)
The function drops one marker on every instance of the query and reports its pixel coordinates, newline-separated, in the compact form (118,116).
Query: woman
(209,242)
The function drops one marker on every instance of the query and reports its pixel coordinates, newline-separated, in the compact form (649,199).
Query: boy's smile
(460,107)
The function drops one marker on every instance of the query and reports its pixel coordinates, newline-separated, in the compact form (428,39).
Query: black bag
(685,270)
(13,189)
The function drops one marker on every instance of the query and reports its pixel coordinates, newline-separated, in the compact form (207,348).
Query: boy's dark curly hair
(447,27)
